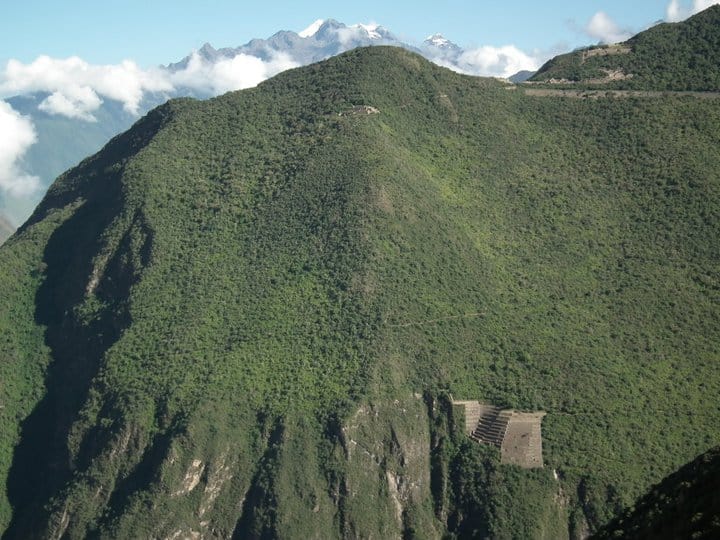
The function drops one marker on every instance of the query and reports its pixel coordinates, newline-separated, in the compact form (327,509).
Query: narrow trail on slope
(595,94)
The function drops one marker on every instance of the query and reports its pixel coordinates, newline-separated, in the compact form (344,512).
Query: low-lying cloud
(77,89)
(492,61)
(225,75)
(677,11)
(17,134)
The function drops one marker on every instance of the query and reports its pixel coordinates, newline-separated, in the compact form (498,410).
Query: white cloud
(78,103)
(674,11)
(489,61)
(77,87)
(700,5)
(241,71)
(350,35)
(606,30)
(17,134)
(371,29)
(677,11)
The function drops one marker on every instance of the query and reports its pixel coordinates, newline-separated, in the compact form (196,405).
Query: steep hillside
(668,56)
(245,317)
(62,142)
(6,229)
(686,504)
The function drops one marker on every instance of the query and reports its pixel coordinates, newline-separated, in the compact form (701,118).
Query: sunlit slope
(668,56)
(244,316)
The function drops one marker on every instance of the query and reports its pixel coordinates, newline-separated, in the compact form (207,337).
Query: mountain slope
(686,504)
(668,56)
(63,141)
(6,229)
(244,316)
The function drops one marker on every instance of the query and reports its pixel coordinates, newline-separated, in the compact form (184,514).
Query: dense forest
(247,316)
(668,56)
(686,504)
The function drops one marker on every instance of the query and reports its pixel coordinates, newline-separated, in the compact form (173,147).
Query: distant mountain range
(321,40)
(62,142)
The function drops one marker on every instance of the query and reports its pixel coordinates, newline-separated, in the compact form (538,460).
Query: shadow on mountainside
(42,463)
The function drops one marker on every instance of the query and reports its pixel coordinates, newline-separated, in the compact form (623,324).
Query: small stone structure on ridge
(516,433)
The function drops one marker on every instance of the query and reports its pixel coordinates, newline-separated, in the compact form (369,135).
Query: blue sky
(153,32)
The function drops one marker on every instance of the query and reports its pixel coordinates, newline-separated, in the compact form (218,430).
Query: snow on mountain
(371,29)
(312,29)
(440,41)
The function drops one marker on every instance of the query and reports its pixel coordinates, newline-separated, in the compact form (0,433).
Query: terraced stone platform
(517,434)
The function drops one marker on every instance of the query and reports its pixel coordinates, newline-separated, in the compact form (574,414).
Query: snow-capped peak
(438,40)
(312,29)
(371,29)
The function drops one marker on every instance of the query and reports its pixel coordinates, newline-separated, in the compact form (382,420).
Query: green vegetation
(668,56)
(686,504)
(6,229)
(222,321)
(63,142)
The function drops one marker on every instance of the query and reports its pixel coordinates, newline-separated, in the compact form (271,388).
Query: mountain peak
(208,52)
(374,31)
(439,41)
(312,29)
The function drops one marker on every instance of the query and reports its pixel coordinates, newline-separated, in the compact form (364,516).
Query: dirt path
(596,94)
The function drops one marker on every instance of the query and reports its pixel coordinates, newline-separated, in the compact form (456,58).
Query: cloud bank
(677,11)
(17,134)
(225,75)
(77,89)
(490,61)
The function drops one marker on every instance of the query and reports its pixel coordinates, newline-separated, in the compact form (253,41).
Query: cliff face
(245,317)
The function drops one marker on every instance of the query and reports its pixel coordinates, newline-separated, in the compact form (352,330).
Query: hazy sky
(152,32)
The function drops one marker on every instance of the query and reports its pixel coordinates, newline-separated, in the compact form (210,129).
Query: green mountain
(62,142)
(669,56)
(6,229)
(246,317)
(686,504)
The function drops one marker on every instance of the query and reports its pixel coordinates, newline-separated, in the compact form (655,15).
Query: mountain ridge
(63,142)
(668,56)
(245,316)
